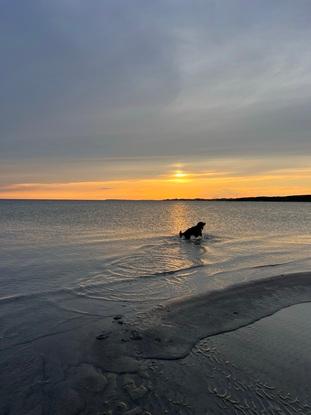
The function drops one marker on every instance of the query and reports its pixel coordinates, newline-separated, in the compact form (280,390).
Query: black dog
(194,231)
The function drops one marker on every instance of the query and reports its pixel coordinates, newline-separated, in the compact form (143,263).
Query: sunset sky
(154,99)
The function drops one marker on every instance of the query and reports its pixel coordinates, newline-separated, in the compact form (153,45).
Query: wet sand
(263,368)
(243,350)
(253,359)
(172,330)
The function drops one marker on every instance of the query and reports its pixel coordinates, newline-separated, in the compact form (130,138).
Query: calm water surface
(62,261)
(66,268)
(130,250)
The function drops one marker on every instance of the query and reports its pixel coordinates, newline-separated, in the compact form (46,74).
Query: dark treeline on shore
(293,198)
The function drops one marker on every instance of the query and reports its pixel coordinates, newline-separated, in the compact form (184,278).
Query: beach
(243,351)
(99,323)
(155,207)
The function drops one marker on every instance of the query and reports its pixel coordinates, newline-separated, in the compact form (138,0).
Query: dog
(194,231)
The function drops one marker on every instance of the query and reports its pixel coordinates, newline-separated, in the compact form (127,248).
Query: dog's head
(201,225)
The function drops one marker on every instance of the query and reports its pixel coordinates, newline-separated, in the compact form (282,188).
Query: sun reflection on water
(179,214)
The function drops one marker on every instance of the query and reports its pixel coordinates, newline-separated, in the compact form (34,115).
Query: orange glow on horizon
(177,185)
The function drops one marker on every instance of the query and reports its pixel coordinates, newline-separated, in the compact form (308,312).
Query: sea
(131,251)
(69,264)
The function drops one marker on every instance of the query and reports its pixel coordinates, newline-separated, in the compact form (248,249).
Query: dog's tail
(180,234)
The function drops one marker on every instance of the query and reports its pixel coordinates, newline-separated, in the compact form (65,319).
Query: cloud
(52,187)
(174,80)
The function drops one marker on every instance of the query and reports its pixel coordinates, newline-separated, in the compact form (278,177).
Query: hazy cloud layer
(92,79)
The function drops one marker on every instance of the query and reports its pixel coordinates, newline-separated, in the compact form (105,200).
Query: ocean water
(90,258)
(131,251)
(67,267)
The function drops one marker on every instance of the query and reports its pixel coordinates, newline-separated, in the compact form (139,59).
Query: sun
(179,174)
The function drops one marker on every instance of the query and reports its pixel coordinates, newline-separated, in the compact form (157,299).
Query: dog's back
(193,231)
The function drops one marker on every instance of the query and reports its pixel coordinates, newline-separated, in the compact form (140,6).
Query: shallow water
(130,250)
(67,267)
(87,258)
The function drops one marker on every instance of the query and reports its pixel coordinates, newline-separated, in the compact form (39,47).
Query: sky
(105,99)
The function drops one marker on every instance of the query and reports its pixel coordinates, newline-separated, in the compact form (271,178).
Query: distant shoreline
(291,198)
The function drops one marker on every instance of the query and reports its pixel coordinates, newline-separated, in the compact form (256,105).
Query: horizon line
(158,200)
